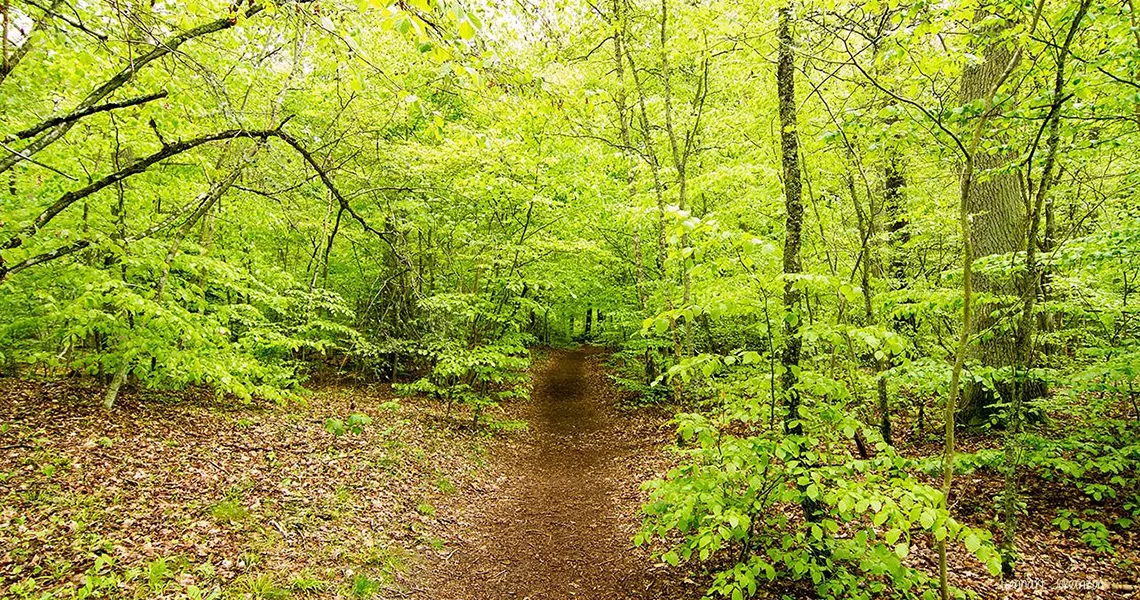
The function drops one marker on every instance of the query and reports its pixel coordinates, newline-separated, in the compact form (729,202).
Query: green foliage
(262,587)
(417,193)
(308,584)
(104,580)
(731,498)
(229,512)
(364,588)
(479,377)
(356,423)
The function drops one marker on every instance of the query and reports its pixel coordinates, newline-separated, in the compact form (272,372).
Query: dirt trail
(558,522)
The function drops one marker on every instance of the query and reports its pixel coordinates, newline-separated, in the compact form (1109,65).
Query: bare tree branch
(79,114)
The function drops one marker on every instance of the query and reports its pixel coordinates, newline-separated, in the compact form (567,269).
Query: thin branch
(70,21)
(35,162)
(81,113)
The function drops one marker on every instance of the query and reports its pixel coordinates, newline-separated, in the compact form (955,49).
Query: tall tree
(995,205)
(793,223)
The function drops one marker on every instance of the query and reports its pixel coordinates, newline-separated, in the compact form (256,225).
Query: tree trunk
(793,202)
(997,226)
(894,186)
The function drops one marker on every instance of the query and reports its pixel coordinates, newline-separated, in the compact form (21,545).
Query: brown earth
(171,492)
(558,521)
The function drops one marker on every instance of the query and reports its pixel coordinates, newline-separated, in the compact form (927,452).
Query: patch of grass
(387,463)
(249,559)
(425,508)
(445,486)
(262,587)
(344,496)
(433,542)
(364,587)
(157,574)
(306,583)
(229,511)
(389,559)
(206,570)
(23,589)
(58,569)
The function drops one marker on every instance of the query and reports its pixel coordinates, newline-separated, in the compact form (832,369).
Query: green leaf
(466,30)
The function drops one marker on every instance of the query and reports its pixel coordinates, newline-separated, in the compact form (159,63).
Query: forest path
(558,521)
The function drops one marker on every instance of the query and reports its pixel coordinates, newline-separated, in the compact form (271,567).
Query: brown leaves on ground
(258,500)
(177,494)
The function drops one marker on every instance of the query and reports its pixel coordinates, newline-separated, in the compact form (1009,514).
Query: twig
(35,162)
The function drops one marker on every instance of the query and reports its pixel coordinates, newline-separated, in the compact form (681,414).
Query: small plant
(391,405)
(229,511)
(334,426)
(106,442)
(344,496)
(445,486)
(426,509)
(357,423)
(157,574)
(249,559)
(206,570)
(364,587)
(306,583)
(1093,532)
(23,589)
(433,542)
(194,592)
(263,587)
(390,560)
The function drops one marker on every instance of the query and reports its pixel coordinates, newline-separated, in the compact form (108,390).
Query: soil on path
(558,520)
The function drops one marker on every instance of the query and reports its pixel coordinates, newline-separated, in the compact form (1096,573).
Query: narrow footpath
(558,521)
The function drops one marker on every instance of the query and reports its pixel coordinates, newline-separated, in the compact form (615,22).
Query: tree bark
(966,187)
(793,203)
(997,225)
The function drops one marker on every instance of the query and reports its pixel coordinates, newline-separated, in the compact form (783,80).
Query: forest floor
(181,495)
(185,496)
